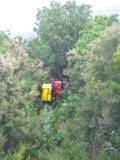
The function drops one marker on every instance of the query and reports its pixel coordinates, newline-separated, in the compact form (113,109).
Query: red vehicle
(58,85)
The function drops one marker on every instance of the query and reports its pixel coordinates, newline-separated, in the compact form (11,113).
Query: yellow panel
(47,86)
(46,92)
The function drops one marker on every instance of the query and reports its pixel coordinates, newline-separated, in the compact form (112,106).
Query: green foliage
(19,154)
(17,93)
(74,69)
(73,146)
(84,125)
(102,87)
(38,49)
(94,28)
(105,157)
(116,139)
(28,86)
(94,74)
(116,58)
(14,126)
(4,42)
(58,27)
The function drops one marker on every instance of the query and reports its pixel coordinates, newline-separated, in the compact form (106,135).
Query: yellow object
(46,92)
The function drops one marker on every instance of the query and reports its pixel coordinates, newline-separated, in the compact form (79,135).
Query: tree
(93,29)
(4,41)
(18,74)
(58,27)
(76,57)
(38,49)
(101,75)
